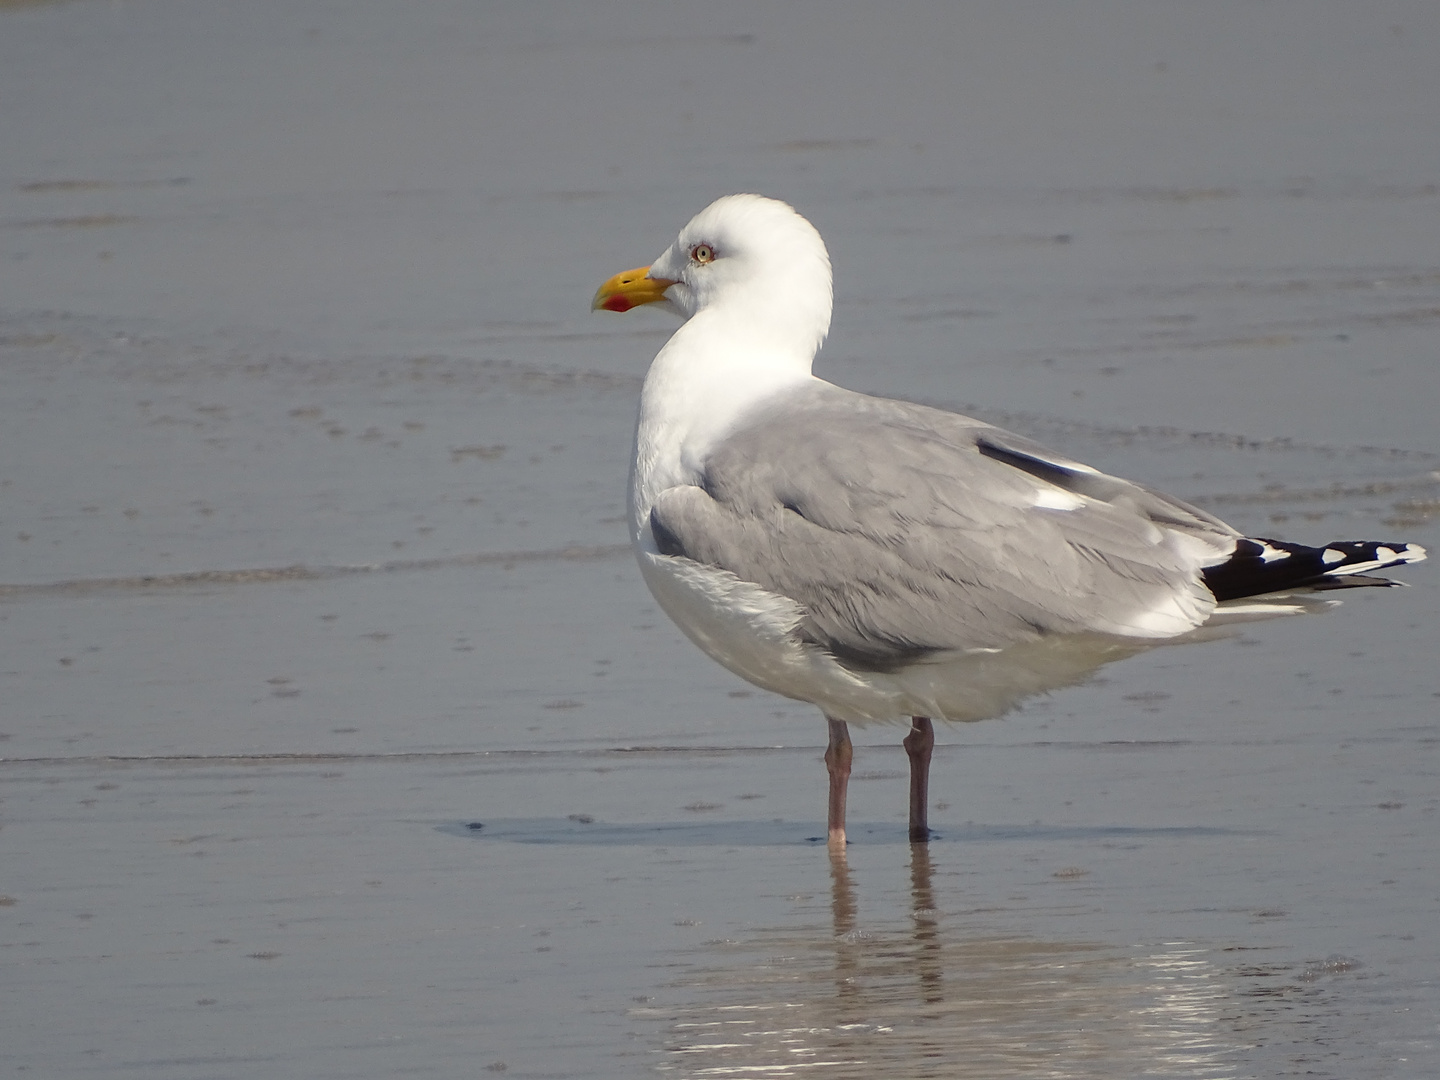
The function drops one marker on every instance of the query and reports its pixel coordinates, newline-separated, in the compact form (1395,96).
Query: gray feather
(905,531)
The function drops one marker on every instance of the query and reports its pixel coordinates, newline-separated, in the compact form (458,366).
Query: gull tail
(1259,566)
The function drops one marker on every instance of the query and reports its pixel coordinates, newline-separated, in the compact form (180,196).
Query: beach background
(338,734)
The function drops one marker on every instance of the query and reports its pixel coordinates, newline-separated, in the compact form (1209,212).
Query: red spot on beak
(618,302)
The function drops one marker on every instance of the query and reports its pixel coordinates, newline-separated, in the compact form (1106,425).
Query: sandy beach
(338,734)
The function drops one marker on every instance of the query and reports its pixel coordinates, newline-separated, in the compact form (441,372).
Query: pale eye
(702,253)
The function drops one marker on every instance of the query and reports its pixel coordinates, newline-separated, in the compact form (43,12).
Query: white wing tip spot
(1270,554)
(1384,556)
(1057,499)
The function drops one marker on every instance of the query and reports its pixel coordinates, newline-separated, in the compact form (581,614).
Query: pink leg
(918,744)
(838,756)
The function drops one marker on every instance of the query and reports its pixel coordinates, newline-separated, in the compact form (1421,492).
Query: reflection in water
(927,926)
(936,998)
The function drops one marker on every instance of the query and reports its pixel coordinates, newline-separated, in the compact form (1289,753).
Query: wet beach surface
(338,734)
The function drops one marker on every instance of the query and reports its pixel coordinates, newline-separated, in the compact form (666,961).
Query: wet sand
(338,734)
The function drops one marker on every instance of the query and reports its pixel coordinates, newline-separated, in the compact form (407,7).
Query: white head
(748,260)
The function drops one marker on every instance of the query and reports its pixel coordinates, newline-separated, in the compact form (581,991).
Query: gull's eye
(702,253)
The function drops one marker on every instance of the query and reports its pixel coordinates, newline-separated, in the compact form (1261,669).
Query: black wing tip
(1356,581)
(1258,566)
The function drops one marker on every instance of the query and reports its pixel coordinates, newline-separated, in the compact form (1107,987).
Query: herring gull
(885,560)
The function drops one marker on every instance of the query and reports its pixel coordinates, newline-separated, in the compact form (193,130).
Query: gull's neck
(717,368)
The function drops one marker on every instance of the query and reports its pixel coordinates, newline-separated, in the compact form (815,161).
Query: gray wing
(1080,479)
(905,531)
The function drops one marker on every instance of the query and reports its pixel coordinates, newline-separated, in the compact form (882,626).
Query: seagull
(885,560)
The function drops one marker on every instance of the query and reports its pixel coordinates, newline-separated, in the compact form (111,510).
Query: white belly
(750,630)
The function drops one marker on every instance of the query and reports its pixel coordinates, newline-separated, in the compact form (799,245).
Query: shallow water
(338,735)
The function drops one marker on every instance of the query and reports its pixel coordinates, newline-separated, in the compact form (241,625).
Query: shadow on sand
(581,829)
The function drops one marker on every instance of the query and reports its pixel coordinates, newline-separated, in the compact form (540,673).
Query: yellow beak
(630,289)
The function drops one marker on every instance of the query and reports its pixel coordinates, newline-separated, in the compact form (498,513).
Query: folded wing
(905,532)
